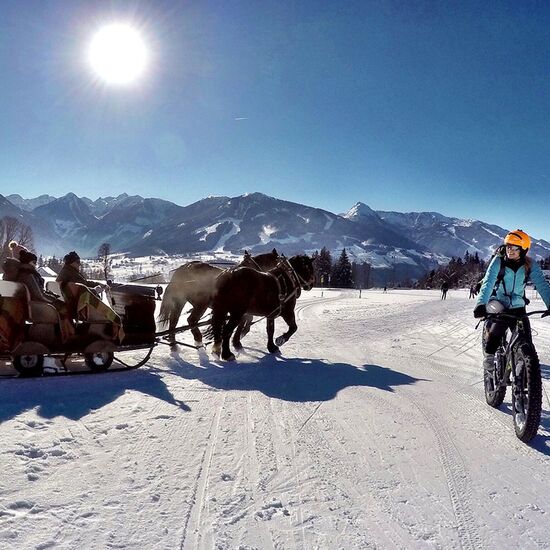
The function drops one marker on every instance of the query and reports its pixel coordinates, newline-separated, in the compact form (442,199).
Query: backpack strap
(500,278)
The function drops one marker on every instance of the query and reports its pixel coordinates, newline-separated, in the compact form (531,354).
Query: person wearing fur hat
(29,276)
(11,264)
(70,273)
(16,248)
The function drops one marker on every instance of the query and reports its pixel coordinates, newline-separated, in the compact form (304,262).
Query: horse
(244,290)
(195,282)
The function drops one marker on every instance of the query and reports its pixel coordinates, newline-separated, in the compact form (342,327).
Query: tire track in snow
(193,517)
(333,452)
(254,467)
(455,472)
(457,480)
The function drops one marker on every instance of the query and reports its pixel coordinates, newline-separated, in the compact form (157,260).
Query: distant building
(46,271)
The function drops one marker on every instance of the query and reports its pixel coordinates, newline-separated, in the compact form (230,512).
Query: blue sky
(412,105)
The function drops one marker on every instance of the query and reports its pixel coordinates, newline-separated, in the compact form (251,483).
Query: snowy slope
(369,431)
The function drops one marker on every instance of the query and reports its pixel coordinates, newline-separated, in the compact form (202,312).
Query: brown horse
(243,291)
(195,282)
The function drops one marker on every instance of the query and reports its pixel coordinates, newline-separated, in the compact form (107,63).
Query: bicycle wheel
(526,393)
(494,390)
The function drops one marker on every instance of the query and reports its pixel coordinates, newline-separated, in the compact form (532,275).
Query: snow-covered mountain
(453,236)
(404,243)
(103,205)
(70,215)
(257,222)
(29,204)
(44,234)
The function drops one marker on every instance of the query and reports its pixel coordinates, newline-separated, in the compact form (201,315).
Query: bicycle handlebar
(545,313)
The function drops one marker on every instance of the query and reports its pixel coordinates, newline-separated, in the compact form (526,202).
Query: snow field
(369,430)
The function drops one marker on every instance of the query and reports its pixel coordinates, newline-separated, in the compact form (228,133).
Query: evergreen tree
(323,266)
(360,274)
(341,272)
(315,258)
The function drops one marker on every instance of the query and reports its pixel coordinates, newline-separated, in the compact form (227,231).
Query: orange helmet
(518,238)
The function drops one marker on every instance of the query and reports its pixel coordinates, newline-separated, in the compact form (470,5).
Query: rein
(286,268)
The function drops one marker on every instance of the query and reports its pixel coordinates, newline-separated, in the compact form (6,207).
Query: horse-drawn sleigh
(266,285)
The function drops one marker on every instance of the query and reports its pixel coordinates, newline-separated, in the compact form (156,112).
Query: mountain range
(406,243)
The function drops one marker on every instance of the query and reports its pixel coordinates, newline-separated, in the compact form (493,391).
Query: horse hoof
(229,357)
(280,340)
(273,349)
(174,346)
(237,347)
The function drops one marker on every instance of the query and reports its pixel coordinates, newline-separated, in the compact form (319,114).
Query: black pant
(495,329)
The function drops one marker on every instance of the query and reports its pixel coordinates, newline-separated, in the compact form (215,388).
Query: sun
(118,54)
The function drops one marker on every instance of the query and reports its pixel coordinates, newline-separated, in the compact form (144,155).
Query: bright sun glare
(118,54)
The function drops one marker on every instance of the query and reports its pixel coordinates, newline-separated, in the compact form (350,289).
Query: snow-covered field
(370,430)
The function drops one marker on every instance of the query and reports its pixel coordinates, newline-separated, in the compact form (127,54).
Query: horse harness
(288,283)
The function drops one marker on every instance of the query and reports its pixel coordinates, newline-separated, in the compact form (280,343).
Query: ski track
(377,435)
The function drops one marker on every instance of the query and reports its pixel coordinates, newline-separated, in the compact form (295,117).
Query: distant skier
(444,290)
(472,292)
(385,288)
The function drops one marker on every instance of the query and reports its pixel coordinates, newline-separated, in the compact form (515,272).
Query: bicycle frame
(518,335)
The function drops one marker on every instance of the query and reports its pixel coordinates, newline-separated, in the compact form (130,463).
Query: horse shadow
(76,396)
(293,379)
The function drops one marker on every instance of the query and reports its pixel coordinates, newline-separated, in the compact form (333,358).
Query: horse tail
(172,303)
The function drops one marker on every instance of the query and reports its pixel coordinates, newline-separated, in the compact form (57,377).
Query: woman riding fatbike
(505,281)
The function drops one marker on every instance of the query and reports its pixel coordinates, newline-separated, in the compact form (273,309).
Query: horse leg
(229,327)
(194,317)
(175,313)
(270,326)
(290,320)
(246,324)
(217,327)
(241,330)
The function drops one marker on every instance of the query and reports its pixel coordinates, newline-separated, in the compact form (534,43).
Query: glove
(480,311)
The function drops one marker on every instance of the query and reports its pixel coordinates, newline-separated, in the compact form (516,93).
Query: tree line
(459,272)
(463,272)
(341,273)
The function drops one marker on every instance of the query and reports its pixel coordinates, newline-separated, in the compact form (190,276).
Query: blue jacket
(514,283)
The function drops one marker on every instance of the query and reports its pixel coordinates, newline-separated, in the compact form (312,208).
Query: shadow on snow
(289,379)
(74,397)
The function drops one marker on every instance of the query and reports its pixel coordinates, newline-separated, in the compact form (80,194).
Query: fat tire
(532,383)
(21,365)
(493,397)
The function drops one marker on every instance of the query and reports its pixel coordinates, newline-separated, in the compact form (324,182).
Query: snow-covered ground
(370,430)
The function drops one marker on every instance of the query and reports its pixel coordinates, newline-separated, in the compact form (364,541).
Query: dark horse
(195,282)
(244,290)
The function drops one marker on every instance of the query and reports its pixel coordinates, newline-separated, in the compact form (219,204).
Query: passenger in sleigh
(29,276)
(11,264)
(81,300)
(70,273)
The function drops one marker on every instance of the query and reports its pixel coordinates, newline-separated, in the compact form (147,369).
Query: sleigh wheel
(99,360)
(29,365)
